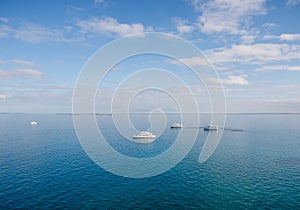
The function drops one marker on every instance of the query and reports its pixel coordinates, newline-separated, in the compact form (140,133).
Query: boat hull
(176,125)
(140,139)
(210,129)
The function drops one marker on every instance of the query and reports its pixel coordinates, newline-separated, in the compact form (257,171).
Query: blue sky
(254,45)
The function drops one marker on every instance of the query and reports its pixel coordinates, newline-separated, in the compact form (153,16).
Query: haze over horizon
(254,45)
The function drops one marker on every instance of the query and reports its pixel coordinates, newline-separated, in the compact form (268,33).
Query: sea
(256,165)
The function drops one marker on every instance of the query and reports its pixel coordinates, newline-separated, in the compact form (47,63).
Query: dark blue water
(44,166)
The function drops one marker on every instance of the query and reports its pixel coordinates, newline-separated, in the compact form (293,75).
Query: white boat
(176,125)
(211,127)
(33,123)
(144,137)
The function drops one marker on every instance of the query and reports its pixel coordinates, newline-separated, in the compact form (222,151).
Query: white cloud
(235,80)
(289,37)
(227,90)
(229,16)
(255,53)
(2,96)
(35,33)
(283,101)
(99,1)
(182,26)
(290,86)
(29,73)
(270,25)
(284,37)
(21,73)
(260,105)
(292,2)
(248,39)
(4,20)
(24,63)
(230,80)
(270,37)
(110,26)
(279,68)
(191,61)
(5,30)
(184,29)
(45,86)
(234,72)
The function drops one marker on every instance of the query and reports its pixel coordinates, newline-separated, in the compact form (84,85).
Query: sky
(254,45)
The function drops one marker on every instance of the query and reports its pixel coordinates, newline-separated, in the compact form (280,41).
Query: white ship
(176,125)
(144,137)
(211,127)
(33,123)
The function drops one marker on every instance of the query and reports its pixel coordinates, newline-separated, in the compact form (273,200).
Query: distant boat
(211,127)
(33,123)
(144,137)
(176,125)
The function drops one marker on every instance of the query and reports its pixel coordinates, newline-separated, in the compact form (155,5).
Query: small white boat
(144,137)
(211,127)
(33,123)
(176,125)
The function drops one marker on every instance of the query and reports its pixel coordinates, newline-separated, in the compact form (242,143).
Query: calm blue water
(45,167)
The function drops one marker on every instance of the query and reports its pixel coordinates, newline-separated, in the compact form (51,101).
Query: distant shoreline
(168,113)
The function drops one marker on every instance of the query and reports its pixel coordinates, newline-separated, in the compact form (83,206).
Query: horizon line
(109,113)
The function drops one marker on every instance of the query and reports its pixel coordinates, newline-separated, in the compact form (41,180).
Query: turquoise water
(44,166)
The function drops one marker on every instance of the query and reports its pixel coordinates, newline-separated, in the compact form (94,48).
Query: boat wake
(225,129)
